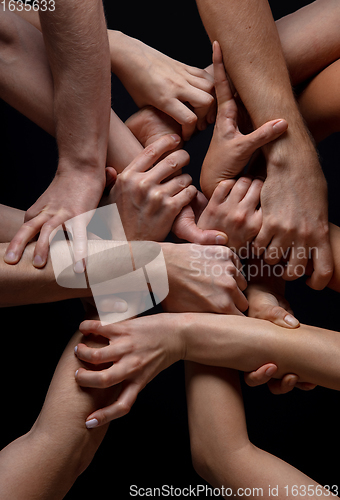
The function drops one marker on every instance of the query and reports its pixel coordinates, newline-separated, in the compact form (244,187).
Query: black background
(150,446)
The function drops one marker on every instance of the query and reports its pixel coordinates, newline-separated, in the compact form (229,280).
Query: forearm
(78,52)
(45,462)
(246,344)
(310,38)
(257,68)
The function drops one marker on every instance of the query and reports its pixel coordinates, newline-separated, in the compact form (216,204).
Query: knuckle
(96,356)
(104,379)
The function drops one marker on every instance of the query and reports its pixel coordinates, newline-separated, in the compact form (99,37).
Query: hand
(69,195)
(233,208)
(152,78)
(148,202)
(204,279)
(139,349)
(185,225)
(230,150)
(149,124)
(295,220)
(266,301)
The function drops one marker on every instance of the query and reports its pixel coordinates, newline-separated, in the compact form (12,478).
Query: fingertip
(91,423)
(11,257)
(291,321)
(39,261)
(280,126)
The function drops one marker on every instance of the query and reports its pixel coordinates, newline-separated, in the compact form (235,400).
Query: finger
(260,376)
(118,409)
(183,115)
(305,386)
(264,134)
(111,177)
(262,240)
(27,231)
(108,377)
(283,386)
(170,164)
(111,304)
(240,300)
(323,267)
(279,316)
(252,197)
(98,356)
(78,230)
(176,184)
(297,263)
(153,152)
(278,249)
(186,228)
(240,189)
(41,249)
(202,74)
(223,91)
(107,331)
(221,191)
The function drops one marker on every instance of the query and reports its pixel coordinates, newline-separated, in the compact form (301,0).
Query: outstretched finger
(119,408)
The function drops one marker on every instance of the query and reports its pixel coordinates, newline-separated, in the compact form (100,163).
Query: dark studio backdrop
(150,446)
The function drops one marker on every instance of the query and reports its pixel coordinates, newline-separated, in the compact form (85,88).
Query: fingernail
(270,371)
(90,424)
(280,126)
(79,266)
(290,320)
(176,137)
(120,306)
(76,373)
(220,240)
(10,257)
(37,261)
(75,352)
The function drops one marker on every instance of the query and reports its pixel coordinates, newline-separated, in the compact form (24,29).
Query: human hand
(149,124)
(152,78)
(204,279)
(69,195)
(148,202)
(266,301)
(138,348)
(185,225)
(233,208)
(230,150)
(295,219)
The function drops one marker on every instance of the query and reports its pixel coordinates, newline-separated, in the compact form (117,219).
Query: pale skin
(265,90)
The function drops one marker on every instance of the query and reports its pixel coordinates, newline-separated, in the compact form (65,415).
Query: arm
(59,439)
(256,66)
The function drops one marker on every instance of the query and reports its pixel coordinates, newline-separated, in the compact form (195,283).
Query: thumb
(186,228)
(266,133)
